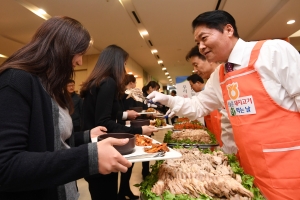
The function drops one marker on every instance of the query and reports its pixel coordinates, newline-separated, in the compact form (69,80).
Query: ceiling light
(160,61)
(169,77)
(2,56)
(291,21)
(135,76)
(167,73)
(164,68)
(144,32)
(129,72)
(153,51)
(41,11)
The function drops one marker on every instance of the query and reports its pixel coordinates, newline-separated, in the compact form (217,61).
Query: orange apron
(267,135)
(213,123)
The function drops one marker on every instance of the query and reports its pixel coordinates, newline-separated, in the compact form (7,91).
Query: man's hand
(158,97)
(131,114)
(109,159)
(98,130)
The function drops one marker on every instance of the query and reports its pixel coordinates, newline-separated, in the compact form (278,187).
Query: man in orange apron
(260,90)
(223,131)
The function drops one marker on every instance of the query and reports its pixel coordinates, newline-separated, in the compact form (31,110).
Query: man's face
(201,67)
(197,87)
(71,87)
(213,44)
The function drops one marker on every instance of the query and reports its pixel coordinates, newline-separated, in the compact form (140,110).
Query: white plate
(165,127)
(145,113)
(139,150)
(158,128)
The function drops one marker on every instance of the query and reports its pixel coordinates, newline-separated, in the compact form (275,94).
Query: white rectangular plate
(139,150)
(145,113)
(165,127)
(158,128)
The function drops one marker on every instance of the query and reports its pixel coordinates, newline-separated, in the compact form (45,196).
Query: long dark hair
(49,55)
(110,64)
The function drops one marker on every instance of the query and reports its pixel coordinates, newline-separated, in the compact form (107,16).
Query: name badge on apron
(239,105)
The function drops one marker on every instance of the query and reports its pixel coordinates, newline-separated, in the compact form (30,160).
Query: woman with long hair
(102,92)
(36,158)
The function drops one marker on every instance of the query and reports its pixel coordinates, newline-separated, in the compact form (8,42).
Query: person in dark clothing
(40,156)
(102,92)
(147,89)
(173,93)
(77,105)
(131,98)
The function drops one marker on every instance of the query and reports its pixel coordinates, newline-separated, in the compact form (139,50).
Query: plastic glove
(158,97)
(151,105)
(170,113)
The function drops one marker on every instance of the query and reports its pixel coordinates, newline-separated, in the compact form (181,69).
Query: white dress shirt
(278,65)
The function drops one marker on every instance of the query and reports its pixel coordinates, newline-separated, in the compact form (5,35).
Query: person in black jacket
(131,98)
(102,92)
(77,105)
(36,158)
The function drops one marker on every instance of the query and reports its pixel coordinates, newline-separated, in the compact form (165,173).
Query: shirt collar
(236,54)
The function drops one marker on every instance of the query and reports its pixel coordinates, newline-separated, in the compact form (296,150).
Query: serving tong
(149,155)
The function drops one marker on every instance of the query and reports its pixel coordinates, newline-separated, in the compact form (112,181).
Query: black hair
(194,78)
(110,64)
(128,79)
(216,19)
(174,92)
(153,84)
(70,81)
(194,52)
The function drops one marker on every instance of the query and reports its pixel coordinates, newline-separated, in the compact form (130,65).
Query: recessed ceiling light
(160,61)
(41,11)
(153,51)
(2,56)
(291,21)
(167,73)
(144,32)
(164,68)
(135,76)
(129,73)
(169,77)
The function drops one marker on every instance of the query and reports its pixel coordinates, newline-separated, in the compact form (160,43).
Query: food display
(182,119)
(188,125)
(190,136)
(199,175)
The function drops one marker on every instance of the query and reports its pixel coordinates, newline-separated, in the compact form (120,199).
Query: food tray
(139,150)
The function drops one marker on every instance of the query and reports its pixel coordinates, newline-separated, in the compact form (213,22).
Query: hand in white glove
(170,113)
(151,105)
(158,97)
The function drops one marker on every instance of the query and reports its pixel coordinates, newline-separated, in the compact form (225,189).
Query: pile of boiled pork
(195,135)
(199,173)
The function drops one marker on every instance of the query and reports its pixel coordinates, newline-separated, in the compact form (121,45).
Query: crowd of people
(46,128)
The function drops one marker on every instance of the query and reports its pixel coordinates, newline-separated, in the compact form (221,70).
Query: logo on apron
(239,105)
